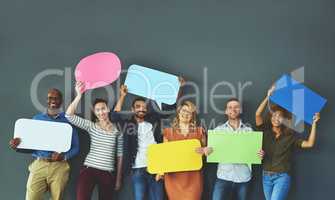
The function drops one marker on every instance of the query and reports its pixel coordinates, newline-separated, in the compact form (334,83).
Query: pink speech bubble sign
(98,70)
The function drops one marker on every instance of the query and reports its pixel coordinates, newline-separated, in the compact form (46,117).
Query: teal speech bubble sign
(152,84)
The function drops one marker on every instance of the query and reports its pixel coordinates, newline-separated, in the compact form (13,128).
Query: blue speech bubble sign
(297,99)
(153,84)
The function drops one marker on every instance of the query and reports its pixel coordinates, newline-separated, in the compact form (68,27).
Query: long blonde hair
(193,122)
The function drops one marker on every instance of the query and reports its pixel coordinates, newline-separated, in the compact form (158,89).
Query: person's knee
(58,184)
(57,189)
(35,187)
(33,194)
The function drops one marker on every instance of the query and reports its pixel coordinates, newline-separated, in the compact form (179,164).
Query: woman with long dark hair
(279,141)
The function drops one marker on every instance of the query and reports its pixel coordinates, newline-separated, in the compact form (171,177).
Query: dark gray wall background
(237,40)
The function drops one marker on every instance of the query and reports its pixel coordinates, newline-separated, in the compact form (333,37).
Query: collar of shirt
(60,117)
(285,133)
(226,125)
(52,117)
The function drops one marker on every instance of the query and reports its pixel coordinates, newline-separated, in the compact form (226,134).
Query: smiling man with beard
(142,129)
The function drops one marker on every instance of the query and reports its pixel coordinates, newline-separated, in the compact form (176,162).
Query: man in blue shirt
(49,170)
(233,178)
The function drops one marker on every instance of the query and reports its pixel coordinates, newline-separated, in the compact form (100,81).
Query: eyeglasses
(186,111)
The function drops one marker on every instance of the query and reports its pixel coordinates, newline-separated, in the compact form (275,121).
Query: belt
(109,171)
(269,173)
(47,159)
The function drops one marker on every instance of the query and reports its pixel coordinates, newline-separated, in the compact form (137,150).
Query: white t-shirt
(145,137)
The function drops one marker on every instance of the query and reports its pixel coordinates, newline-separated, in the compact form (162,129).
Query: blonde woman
(185,185)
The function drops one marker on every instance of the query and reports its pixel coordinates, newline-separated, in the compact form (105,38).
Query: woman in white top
(105,145)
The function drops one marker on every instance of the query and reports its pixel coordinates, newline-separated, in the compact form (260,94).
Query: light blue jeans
(145,186)
(276,185)
(223,190)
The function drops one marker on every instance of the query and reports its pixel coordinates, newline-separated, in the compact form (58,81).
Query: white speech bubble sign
(43,135)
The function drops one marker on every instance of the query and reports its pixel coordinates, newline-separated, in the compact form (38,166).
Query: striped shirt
(103,146)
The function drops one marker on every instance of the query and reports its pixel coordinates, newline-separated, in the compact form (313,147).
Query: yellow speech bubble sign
(176,156)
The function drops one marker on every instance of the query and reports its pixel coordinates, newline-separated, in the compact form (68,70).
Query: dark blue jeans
(223,190)
(145,185)
(276,185)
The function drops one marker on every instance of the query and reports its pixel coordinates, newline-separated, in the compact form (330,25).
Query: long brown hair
(193,122)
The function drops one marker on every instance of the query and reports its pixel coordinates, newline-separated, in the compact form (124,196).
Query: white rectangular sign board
(43,135)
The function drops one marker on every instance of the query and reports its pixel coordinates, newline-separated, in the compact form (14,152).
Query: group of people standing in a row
(118,147)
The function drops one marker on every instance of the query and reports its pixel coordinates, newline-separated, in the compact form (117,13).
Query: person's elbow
(258,115)
(75,145)
(119,160)
(69,113)
(307,144)
(116,109)
(76,151)
(259,120)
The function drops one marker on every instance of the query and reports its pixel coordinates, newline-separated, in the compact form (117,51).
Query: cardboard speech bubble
(298,99)
(175,156)
(43,135)
(98,70)
(153,84)
(235,148)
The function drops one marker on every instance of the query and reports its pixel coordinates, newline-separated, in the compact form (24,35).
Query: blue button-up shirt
(74,150)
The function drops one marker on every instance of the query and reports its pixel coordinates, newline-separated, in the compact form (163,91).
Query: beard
(234,116)
(53,110)
(140,114)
